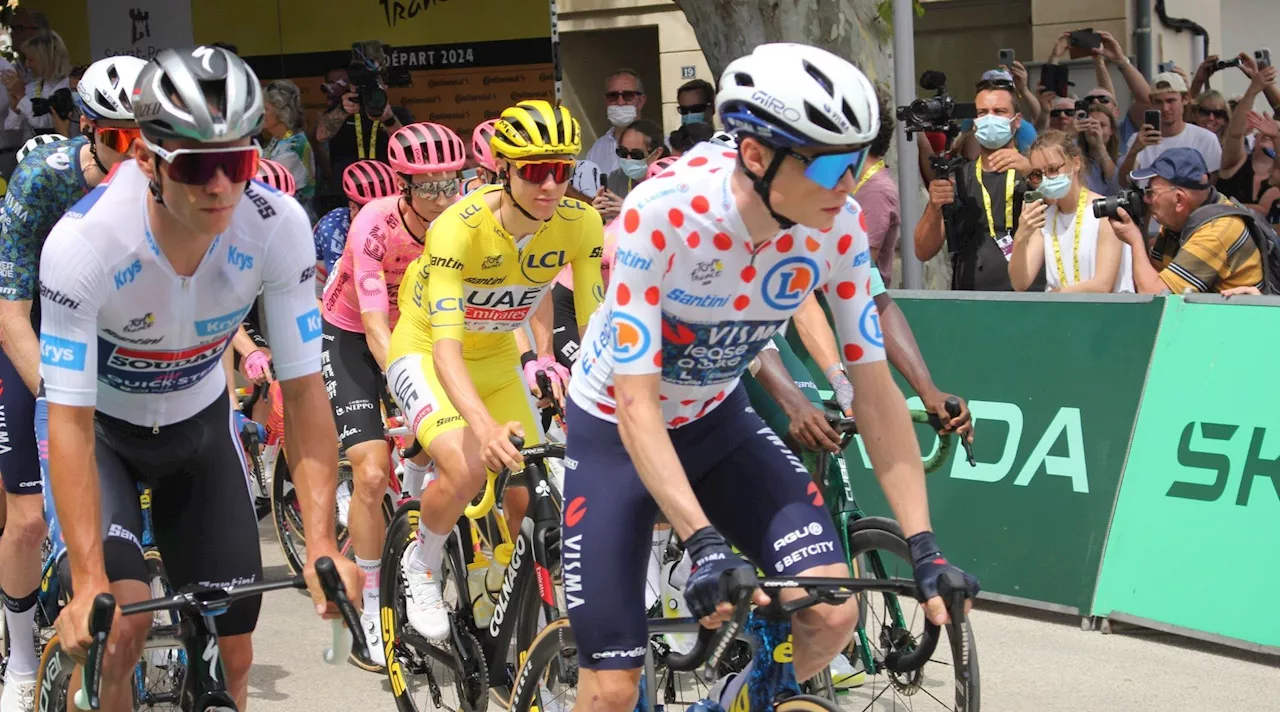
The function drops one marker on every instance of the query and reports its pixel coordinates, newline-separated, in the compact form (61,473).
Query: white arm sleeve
(289,297)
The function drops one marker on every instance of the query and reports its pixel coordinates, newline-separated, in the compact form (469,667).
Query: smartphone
(1055,77)
(1151,117)
(1166,66)
(1006,57)
(1263,58)
(1031,196)
(1081,43)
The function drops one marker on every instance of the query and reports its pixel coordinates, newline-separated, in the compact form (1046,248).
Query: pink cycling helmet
(425,148)
(480,148)
(660,165)
(276,176)
(364,181)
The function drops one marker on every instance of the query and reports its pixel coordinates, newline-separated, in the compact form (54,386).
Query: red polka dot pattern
(606,409)
(742,302)
(609,391)
(670,263)
(631,220)
(676,217)
(786,242)
(657,359)
(693,240)
(678,421)
(624,295)
(862,221)
(652,295)
(846,290)
(700,204)
(687,402)
(699,161)
(846,241)
(812,244)
(722,241)
(748,273)
(659,240)
(852,352)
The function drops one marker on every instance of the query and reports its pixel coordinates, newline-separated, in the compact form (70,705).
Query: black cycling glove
(929,564)
(711,557)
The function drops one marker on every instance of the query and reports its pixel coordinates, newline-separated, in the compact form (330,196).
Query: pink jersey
(565,278)
(367,276)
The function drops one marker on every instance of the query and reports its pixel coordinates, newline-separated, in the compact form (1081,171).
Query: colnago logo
(239,259)
(627,258)
(632,653)
(708,301)
(696,353)
(128,274)
(572,556)
(813,529)
(508,584)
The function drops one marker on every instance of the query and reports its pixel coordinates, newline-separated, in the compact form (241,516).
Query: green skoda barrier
(1200,499)
(1054,383)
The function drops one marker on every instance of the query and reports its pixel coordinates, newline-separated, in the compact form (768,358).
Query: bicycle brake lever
(101,616)
(952,405)
(334,591)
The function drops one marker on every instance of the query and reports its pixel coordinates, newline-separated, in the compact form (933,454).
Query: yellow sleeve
(448,245)
(588,288)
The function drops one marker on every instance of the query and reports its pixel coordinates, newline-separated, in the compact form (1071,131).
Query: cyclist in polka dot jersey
(713,257)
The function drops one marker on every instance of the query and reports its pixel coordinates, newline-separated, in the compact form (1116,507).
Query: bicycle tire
(547,646)
(806,703)
(53,679)
(158,579)
(878,534)
(282,519)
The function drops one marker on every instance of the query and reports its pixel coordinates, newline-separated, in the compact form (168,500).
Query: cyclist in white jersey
(712,258)
(143,283)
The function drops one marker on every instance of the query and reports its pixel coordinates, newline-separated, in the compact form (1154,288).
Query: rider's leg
(370,469)
(417,470)
(237,658)
(128,636)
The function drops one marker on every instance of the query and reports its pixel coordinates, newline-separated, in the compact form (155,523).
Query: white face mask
(621,115)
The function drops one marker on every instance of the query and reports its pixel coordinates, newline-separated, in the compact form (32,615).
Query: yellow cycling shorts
(429,413)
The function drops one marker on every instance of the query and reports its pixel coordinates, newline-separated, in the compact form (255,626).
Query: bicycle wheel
(158,677)
(420,671)
(286,515)
(807,703)
(53,679)
(548,679)
(894,624)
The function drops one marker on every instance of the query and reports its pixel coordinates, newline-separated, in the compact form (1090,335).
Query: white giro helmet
(37,141)
(796,95)
(106,89)
(586,178)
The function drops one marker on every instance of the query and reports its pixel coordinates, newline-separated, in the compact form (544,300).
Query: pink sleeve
(367,243)
(877,205)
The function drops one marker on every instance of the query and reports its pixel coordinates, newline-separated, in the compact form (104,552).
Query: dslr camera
(370,71)
(1131,200)
(58,102)
(938,113)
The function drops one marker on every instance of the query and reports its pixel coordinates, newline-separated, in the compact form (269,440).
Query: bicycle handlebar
(847,428)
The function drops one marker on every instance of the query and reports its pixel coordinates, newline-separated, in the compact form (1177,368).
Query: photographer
(1218,254)
(1170,97)
(361,122)
(981,202)
(44,104)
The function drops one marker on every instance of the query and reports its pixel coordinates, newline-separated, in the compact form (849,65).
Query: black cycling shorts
(19,461)
(565,337)
(203,518)
(754,490)
(355,384)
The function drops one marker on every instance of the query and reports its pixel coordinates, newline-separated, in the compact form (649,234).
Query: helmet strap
(93,151)
(406,193)
(154,185)
(505,177)
(763,184)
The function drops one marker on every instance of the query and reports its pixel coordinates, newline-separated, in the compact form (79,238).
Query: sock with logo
(372,581)
(430,549)
(20,616)
(416,477)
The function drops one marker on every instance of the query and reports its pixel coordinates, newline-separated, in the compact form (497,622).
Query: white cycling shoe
(19,695)
(372,658)
(424,602)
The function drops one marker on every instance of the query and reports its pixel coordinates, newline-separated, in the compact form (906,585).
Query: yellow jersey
(476,283)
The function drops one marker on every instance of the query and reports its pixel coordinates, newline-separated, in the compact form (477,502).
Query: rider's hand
(557,374)
(929,564)
(72,624)
(962,424)
(497,451)
(712,558)
(256,367)
(810,428)
(843,388)
(348,573)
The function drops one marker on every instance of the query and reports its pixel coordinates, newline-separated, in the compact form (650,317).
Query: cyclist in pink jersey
(359,312)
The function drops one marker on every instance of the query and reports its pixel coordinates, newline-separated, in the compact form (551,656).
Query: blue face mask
(634,168)
(694,118)
(1055,187)
(994,131)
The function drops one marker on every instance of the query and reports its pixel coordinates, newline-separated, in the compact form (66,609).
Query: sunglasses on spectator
(1059,113)
(1205,112)
(624,95)
(693,109)
(1037,175)
(634,153)
(118,140)
(435,189)
(537,171)
(1098,99)
(197,166)
(828,169)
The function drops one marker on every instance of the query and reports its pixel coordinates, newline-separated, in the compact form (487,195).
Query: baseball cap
(1169,81)
(996,75)
(1180,166)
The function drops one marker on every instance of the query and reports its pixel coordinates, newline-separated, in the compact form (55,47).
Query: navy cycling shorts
(19,461)
(754,490)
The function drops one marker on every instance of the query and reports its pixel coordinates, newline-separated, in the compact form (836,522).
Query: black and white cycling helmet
(723,138)
(205,94)
(38,141)
(106,89)
(791,95)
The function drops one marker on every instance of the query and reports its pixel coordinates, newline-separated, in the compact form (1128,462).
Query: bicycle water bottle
(497,570)
(481,606)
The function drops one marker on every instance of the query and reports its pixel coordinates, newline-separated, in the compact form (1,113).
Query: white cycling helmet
(586,178)
(789,95)
(106,89)
(723,138)
(202,93)
(38,141)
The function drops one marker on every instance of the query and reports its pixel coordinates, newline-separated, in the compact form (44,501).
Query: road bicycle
(193,609)
(548,678)
(483,651)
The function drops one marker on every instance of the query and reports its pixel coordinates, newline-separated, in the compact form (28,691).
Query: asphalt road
(1028,662)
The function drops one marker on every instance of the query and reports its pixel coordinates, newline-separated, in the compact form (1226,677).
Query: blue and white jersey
(123,332)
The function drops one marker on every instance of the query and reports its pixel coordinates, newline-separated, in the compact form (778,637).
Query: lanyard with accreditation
(1005,242)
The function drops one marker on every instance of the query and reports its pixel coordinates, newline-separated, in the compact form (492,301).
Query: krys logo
(787,283)
(1212,452)
(630,338)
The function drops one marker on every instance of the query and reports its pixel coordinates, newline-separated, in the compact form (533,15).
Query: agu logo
(630,338)
(869,325)
(787,283)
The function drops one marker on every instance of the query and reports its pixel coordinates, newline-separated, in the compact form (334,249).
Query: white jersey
(123,332)
(690,298)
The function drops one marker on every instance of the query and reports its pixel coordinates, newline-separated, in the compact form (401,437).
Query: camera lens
(374,99)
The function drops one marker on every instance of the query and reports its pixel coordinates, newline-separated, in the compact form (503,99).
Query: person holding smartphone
(1165,128)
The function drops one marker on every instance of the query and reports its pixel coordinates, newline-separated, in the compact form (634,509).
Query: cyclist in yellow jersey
(455,368)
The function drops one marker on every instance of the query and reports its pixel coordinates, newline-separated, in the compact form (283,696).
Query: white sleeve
(1212,153)
(848,291)
(18,115)
(73,283)
(289,295)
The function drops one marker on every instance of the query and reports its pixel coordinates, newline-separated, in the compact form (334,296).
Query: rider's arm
(588,289)
(74,276)
(368,246)
(816,334)
(18,338)
(20,233)
(242,342)
(448,248)
(229,372)
(543,325)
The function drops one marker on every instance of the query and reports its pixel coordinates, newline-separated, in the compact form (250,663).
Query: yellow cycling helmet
(536,128)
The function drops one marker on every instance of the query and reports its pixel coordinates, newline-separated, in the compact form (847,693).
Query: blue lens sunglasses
(827,170)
